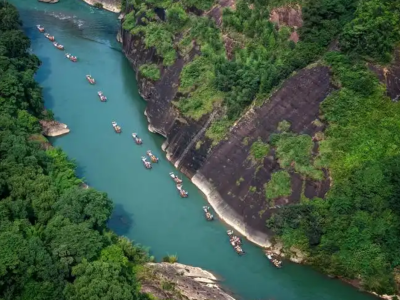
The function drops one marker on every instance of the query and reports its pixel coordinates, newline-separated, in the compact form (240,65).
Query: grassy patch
(201,102)
(278,186)
(284,126)
(150,71)
(239,181)
(295,151)
(170,259)
(198,144)
(252,189)
(168,286)
(218,130)
(196,82)
(259,150)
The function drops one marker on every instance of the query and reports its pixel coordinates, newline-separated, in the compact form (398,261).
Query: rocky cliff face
(233,183)
(178,281)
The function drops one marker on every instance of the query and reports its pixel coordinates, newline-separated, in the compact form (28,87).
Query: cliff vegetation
(240,57)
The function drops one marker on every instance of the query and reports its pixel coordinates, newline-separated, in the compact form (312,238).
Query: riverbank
(110,5)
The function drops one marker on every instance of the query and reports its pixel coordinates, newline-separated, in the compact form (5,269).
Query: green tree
(101,280)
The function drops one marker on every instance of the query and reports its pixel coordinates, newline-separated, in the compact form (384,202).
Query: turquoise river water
(148,208)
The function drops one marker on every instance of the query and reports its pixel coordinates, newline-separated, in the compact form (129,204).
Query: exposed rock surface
(178,281)
(53,128)
(390,76)
(233,183)
(111,5)
(287,15)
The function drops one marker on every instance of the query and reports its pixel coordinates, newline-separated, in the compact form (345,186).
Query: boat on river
(153,158)
(273,258)
(40,28)
(175,177)
(137,139)
(116,127)
(101,96)
(90,79)
(58,46)
(235,242)
(207,213)
(146,163)
(49,37)
(234,237)
(182,192)
(71,57)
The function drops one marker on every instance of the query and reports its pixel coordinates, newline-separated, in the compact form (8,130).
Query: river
(148,208)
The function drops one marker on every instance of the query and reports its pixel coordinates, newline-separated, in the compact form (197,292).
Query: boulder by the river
(49,1)
(167,281)
(53,128)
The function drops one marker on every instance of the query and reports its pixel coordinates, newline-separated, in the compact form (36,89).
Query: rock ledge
(53,128)
(173,281)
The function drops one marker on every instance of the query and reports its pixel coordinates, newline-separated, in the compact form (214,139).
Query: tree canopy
(54,243)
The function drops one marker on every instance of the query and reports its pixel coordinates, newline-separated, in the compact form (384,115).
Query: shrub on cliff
(259,150)
(278,186)
(150,71)
(98,5)
(170,259)
(295,151)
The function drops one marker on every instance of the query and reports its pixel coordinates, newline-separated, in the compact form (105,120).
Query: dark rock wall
(161,114)
(297,101)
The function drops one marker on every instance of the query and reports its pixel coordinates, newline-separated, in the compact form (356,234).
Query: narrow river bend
(148,208)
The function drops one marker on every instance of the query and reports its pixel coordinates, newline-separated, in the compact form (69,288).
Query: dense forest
(355,231)
(54,243)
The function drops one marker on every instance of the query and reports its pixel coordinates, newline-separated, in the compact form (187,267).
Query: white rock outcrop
(193,283)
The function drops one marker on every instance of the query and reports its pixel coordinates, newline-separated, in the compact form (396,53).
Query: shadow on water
(80,171)
(48,95)
(120,221)
(44,71)
(129,81)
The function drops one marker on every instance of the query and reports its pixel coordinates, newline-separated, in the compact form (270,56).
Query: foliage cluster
(54,243)
(279,185)
(355,231)
(374,31)
(295,151)
(259,150)
(150,71)
(170,259)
